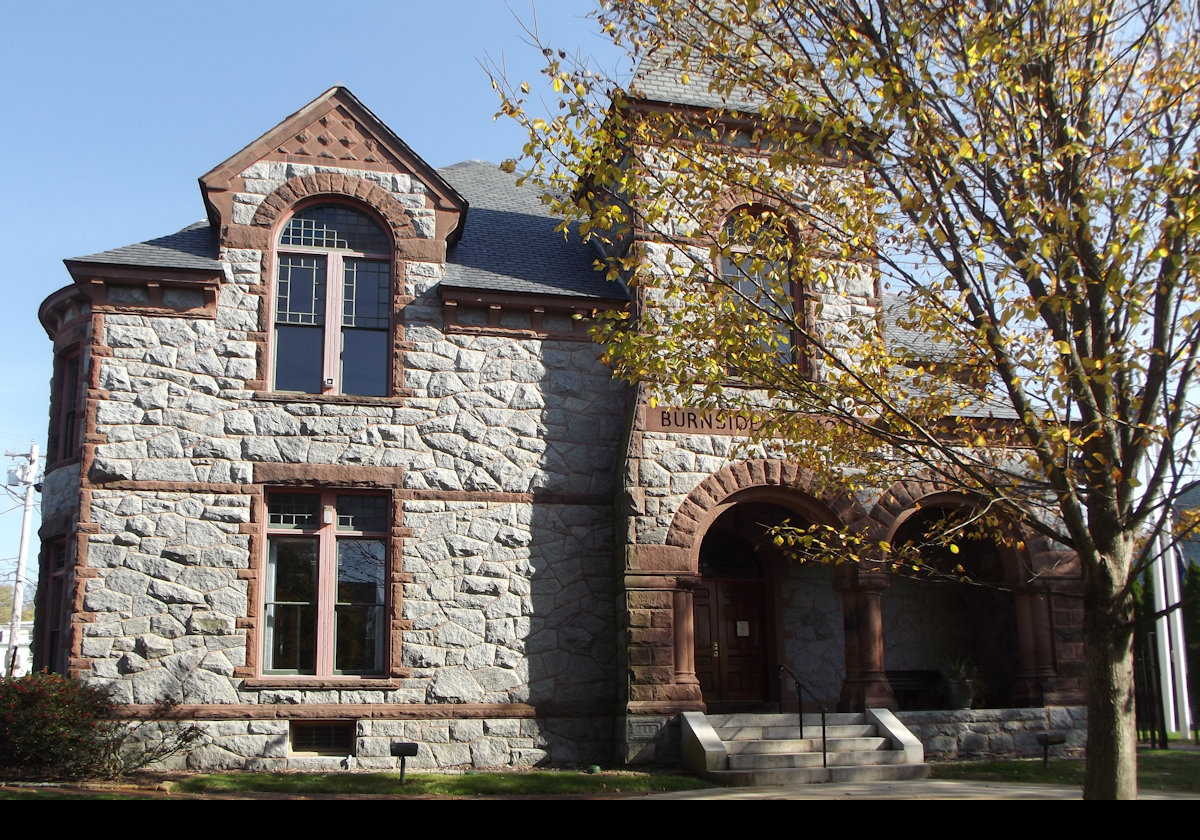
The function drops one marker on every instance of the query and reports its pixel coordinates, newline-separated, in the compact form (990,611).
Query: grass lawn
(531,783)
(1177,770)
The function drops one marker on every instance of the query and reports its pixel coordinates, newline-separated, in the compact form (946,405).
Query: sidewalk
(924,789)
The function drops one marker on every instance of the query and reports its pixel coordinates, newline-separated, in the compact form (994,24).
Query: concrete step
(803,745)
(811,775)
(785,719)
(766,733)
(846,758)
(766,749)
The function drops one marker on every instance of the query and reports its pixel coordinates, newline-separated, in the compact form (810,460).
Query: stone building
(339,464)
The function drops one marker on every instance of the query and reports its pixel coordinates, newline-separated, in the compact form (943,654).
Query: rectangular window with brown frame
(325,583)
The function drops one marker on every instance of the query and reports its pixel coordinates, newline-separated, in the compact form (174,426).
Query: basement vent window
(322,737)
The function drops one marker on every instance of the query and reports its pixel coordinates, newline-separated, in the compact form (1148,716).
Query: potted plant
(958,673)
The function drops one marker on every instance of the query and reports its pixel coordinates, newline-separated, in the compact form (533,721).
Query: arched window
(333,303)
(755,267)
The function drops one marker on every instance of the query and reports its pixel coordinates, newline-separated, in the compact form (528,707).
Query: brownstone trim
(600,499)
(170,486)
(368,711)
(287,398)
(65,313)
(763,479)
(325,683)
(663,707)
(327,475)
(536,307)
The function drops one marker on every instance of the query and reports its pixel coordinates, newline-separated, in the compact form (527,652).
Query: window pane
(299,359)
(300,292)
(359,642)
(362,513)
(366,294)
(365,362)
(290,631)
(293,510)
(335,227)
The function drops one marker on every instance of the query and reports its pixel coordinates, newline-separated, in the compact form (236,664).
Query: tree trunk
(1108,661)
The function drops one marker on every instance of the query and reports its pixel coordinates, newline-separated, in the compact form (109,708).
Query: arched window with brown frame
(333,303)
(756,258)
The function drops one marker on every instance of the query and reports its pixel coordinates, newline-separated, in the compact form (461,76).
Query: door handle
(716,650)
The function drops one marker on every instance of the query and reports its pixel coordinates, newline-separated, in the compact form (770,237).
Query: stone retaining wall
(987,733)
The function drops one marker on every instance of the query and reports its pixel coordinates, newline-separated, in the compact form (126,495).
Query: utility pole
(22,475)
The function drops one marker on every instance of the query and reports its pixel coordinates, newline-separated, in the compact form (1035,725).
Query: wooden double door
(732,643)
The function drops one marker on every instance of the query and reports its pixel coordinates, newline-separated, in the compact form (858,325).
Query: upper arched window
(333,303)
(756,266)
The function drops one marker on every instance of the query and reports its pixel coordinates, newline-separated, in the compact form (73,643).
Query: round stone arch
(762,480)
(336,185)
(907,498)
(1029,635)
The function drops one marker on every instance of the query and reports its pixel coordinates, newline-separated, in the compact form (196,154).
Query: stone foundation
(444,745)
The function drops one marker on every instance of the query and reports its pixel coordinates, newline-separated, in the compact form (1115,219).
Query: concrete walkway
(923,789)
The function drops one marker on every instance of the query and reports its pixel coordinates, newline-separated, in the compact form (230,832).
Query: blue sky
(116,107)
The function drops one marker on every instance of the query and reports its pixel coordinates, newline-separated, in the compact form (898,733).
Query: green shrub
(54,727)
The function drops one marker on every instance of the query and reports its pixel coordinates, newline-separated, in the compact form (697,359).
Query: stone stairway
(766,749)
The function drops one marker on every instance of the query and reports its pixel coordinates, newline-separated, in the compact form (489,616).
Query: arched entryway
(754,609)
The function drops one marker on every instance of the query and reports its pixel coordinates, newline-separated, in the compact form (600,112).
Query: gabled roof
(194,247)
(511,244)
(336,130)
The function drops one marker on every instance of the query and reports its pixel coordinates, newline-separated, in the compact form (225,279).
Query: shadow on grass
(1173,770)
(325,785)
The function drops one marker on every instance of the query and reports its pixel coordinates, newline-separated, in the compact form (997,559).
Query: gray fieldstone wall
(166,595)
(984,733)
(499,743)
(510,601)
(813,631)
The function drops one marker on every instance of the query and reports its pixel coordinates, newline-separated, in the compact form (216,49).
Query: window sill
(305,681)
(288,397)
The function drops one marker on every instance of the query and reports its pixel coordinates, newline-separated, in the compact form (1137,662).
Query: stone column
(866,683)
(685,633)
(1035,669)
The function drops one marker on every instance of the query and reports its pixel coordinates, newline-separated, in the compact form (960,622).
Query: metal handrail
(800,692)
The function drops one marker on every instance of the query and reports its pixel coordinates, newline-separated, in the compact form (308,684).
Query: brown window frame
(735,275)
(330,264)
(67,401)
(53,623)
(326,535)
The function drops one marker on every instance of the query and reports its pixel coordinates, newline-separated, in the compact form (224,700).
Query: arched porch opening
(939,628)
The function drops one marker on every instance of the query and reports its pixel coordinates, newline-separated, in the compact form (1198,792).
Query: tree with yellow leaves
(1017,184)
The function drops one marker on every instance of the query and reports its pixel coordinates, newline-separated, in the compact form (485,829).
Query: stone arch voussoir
(1032,552)
(708,498)
(337,185)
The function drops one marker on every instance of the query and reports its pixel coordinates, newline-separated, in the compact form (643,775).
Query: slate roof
(656,81)
(919,347)
(912,344)
(510,243)
(194,247)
